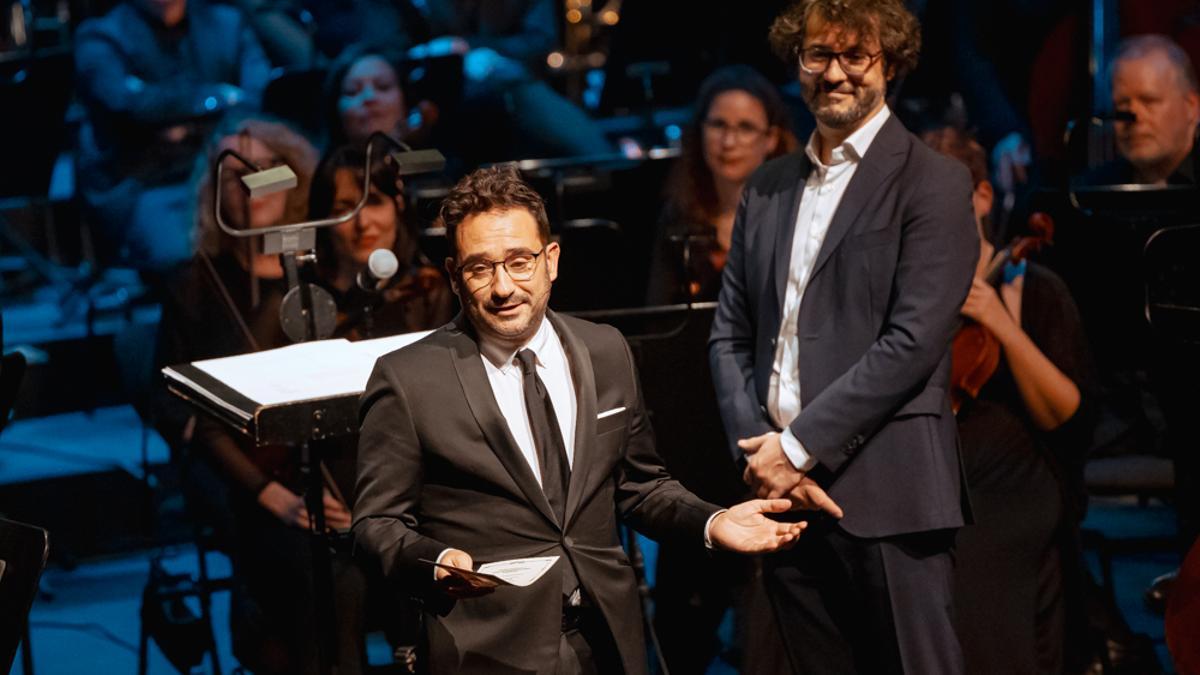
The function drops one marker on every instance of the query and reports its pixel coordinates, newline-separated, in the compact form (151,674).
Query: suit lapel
(785,228)
(883,158)
(584,378)
(468,365)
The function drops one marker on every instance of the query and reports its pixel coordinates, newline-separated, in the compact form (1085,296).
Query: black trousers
(866,606)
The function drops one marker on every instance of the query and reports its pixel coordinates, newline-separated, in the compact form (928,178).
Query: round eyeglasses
(519,266)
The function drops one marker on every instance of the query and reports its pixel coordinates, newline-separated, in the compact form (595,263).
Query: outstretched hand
(745,529)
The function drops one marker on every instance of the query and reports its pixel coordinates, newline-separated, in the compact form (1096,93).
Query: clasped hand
(771,475)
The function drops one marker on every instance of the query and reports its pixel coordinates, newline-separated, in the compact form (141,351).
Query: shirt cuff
(439,561)
(707,526)
(796,454)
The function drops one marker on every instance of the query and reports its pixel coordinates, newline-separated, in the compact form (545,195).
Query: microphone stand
(308,313)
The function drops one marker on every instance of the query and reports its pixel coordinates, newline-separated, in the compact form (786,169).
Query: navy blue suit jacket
(875,326)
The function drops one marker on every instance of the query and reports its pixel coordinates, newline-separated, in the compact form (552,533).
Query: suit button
(568,542)
(762,409)
(773,341)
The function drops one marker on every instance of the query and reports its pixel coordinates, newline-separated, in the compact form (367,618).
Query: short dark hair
(1141,46)
(898,30)
(487,190)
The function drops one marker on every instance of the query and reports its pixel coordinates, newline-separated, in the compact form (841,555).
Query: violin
(975,355)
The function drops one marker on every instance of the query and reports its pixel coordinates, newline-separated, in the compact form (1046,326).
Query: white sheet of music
(304,371)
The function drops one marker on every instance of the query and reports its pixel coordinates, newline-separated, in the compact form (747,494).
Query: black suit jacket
(438,468)
(875,326)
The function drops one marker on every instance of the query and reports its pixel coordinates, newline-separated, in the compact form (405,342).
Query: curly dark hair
(898,30)
(491,189)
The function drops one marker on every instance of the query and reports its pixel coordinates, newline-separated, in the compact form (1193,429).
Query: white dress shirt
(504,374)
(822,194)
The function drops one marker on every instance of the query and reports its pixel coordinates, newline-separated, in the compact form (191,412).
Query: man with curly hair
(830,352)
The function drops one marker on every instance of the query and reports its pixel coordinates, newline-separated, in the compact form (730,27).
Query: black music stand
(24,550)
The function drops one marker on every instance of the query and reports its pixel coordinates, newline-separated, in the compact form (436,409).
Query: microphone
(381,266)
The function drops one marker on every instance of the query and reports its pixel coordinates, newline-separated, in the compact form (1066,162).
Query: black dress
(1027,497)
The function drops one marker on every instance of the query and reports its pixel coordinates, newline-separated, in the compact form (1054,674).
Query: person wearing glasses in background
(516,432)
(740,122)
(830,352)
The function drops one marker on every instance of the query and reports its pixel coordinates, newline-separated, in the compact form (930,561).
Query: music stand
(307,313)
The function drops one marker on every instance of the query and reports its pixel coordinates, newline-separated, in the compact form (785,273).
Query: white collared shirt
(504,374)
(822,195)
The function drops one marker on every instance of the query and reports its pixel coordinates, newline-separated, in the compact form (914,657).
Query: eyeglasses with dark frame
(519,266)
(743,133)
(854,62)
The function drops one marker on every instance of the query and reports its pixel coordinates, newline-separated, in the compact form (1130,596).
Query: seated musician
(1023,440)
(227,302)
(417,297)
(740,122)
(1153,78)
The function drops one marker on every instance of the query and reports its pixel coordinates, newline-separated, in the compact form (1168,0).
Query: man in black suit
(514,432)
(830,351)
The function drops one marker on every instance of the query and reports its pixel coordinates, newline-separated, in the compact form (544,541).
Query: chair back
(12,371)
(23,553)
(1172,285)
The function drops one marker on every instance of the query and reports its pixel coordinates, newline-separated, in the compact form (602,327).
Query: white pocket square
(610,413)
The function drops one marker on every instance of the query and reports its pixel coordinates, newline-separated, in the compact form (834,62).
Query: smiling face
(371,99)
(374,227)
(838,100)
(503,309)
(1161,137)
(738,137)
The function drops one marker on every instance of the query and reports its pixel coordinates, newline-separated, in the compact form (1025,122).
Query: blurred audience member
(740,122)
(1153,79)
(154,77)
(504,45)
(364,93)
(417,297)
(283,28)
(226,303)
(1024,438)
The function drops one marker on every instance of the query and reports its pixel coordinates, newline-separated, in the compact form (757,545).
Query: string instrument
(976,352)
(1183,615)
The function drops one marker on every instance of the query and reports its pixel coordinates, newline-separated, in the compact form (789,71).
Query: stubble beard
(865,100)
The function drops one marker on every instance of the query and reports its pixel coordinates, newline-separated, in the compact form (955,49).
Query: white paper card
(520,571)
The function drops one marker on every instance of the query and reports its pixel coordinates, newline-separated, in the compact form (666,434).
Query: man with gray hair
(1153,79)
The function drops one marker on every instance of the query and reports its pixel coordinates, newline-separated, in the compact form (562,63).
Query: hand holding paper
(457,578)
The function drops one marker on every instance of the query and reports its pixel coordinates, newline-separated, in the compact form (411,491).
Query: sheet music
(299,372)
(380,346)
